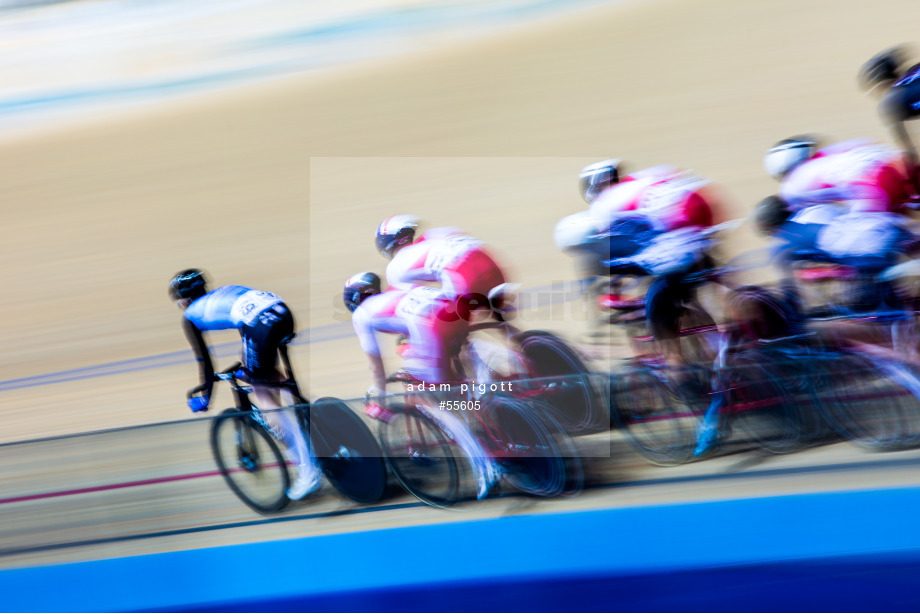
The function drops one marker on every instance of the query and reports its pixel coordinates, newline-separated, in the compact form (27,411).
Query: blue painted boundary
(841,551)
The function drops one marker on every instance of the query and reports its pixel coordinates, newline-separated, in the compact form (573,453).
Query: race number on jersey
(868,235)
(449,250)
(857,161)
(419,303)
(249,305)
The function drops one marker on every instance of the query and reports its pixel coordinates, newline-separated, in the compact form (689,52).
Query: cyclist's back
(864,175)
(230,307)
(456,260)
(673,199)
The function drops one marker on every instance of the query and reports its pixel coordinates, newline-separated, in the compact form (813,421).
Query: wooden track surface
(281,185)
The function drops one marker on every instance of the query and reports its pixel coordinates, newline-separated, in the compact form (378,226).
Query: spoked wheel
(874,406)
(346,451)
(760,405)
(425,460)
(698,337)
(525,448)
(567,389)
(657,423)
(250,461)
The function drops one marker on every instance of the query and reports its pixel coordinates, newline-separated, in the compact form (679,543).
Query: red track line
(80,491)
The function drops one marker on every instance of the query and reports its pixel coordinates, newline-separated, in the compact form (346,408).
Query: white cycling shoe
(308,481)
(489,476)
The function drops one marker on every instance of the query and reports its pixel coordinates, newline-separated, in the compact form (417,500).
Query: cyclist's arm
(378,372)
(202,355)
(363,322)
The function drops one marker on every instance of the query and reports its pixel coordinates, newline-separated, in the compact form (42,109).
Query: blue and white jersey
(229,307)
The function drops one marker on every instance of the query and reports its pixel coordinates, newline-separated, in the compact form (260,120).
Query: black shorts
(262,339)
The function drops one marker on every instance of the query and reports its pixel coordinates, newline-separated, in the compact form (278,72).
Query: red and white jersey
(448,256)
(866,176)
(427,317)
(671,198)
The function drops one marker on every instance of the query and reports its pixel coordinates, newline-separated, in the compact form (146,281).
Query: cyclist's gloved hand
(197,404)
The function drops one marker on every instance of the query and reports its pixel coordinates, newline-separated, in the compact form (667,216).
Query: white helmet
(597,177)
(395,232)
(574,230)
(787,154)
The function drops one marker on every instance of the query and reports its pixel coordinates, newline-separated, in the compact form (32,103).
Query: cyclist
(459,262)
(900,102)
(649,222)
(866,176)
(264,323)
(434,330)
(840,204)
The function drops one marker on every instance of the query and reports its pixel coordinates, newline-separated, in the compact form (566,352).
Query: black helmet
(597,177)
(882,68)
(395,232)
(190,284)
(359,287)
(771,213)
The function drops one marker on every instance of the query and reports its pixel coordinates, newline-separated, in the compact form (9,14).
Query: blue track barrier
(842,551)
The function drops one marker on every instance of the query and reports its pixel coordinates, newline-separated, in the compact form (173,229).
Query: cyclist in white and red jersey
(435,333)
(649,222)
(842,204)
(459,262)
(671,198)
(868,177)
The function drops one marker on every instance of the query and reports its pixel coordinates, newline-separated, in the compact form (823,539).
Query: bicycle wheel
(759,404)
(698,337)
(250,461)
(875,407)
(346,451)
(568,389)
(523,446)
(657,424)
(423,457)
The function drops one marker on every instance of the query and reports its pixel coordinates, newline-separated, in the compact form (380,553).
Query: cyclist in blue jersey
(898,83)
(264,323)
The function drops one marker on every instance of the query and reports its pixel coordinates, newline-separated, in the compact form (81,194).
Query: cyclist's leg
(260,357)
(431,337)
(663,303)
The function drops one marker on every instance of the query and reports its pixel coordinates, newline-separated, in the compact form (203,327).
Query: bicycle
(657,405)
(248,456)
(426,445)
(801,388)
(872,394)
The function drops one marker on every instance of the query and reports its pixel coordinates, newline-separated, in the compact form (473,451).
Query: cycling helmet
(882,68)
(771,213)
(595,178)
(189,284)
(395,232)
(787,154)
(359,287)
